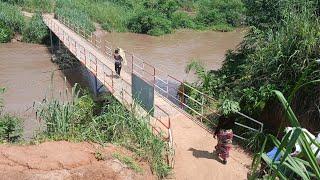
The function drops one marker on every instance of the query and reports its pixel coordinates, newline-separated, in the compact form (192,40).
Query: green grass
(130,162)
(36,31)
(44,6)
(76,16)
(12,17)
(73,120)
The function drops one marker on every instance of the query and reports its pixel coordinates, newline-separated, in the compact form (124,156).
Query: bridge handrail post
(112,85)
(132,63)
(202,108)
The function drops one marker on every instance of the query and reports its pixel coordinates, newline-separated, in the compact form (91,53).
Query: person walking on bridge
(225,136)
(118,61)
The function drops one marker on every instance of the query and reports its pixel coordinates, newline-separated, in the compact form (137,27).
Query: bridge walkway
(193,145)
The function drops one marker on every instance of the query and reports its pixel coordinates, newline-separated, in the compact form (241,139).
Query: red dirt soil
(65,160)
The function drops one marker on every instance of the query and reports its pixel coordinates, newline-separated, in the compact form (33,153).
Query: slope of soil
(65,160)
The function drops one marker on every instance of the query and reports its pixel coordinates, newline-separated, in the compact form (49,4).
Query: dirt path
(65,160)
(194,158)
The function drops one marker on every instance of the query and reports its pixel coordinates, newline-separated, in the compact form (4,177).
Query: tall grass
(12,17)
(36,31)
(277,53)
(290,167)
(76,16)
(74,120)
(111,16)
(34,5)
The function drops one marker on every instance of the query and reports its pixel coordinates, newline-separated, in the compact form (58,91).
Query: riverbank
(66,160)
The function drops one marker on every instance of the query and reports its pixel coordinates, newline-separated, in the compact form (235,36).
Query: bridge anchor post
(51,42)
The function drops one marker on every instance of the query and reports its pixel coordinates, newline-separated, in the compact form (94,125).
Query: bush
(11,17)
(6,33)
(223,11)
(182,20)
(150,22)
(36,31)
(10,128)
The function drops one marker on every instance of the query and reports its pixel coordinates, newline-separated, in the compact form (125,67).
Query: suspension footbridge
(178,122)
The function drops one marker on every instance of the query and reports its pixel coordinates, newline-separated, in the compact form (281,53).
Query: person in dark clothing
(118,61)
(225,135)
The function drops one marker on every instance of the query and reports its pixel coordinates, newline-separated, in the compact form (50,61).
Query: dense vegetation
(155,17)
(76,16)
(161,17)
(33,5)
(75,120)
(289,166)
(279,52)
(11,20)
(36,31)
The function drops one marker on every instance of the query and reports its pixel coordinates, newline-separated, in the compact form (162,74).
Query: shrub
(6,33)
(223,11)
(11,17)
(150,22)
(36,31)
(182,20)
(10,128)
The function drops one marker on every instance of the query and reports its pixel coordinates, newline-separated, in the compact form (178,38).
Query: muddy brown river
(26,69)
(172,53)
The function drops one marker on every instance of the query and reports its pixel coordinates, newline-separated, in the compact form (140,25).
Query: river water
(172,53)
(26,69)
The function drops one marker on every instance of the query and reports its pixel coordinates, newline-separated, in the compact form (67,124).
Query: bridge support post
(51,42)
(96,89)
(59,44)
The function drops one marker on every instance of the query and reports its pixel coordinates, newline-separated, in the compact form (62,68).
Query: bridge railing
(188,99)
(119,87)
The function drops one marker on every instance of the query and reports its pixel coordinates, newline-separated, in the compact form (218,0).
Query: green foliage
(273,57)
(6,33)
(182,20)
(156,17)
(129,162)
(290,167)
(74,120)
(150,22)
(77,17)
(229,106)
(35,5)
(216,12)
(11,17)
(10,128)
(36,31)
